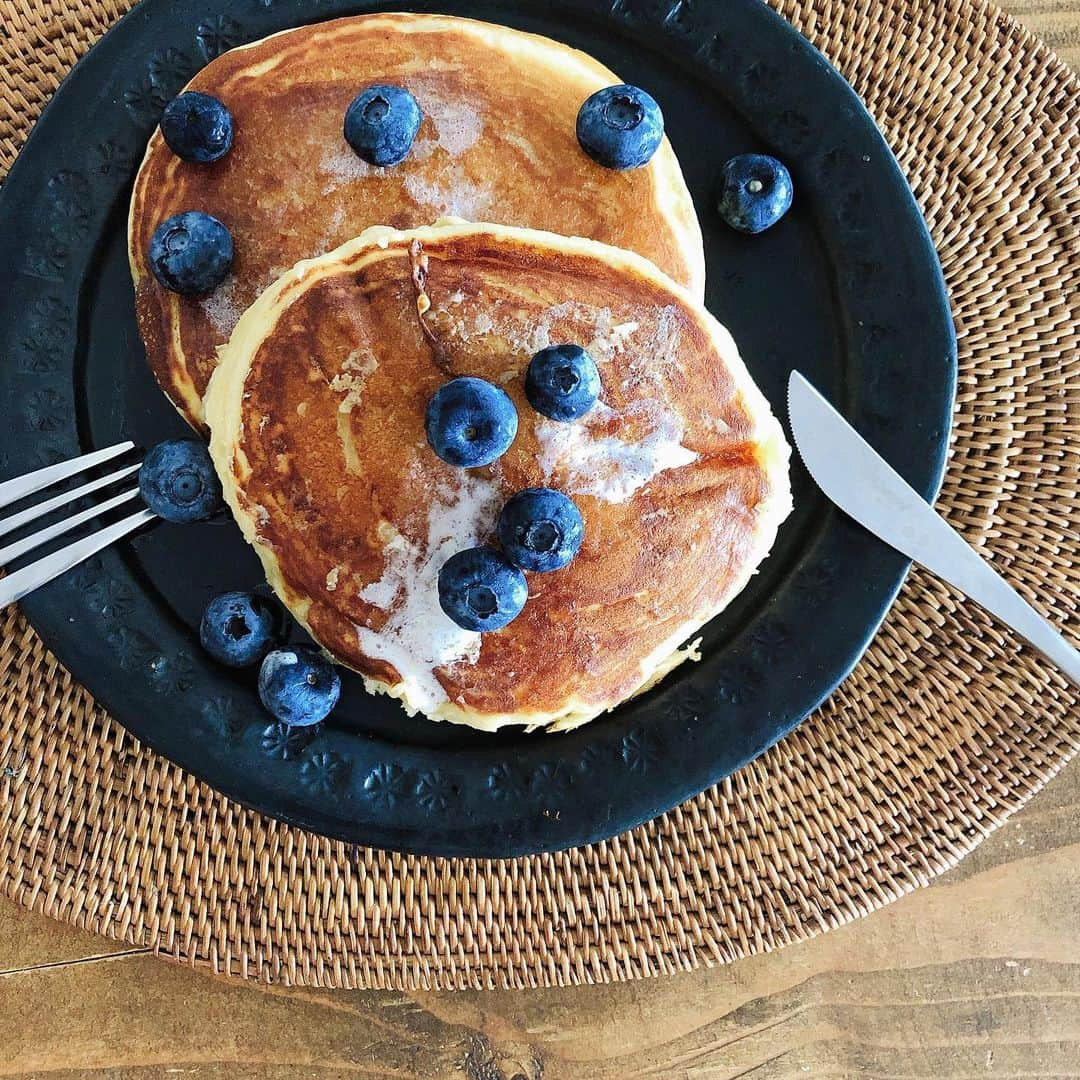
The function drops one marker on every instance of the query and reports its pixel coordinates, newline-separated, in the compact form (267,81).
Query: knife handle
(955,561)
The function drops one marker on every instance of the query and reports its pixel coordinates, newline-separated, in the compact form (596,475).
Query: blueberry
(620,127)
(238,628)
(178,482)
(191,253)
(470,422)
(197,127)
(381,124)
(480,590)
(755,192)
(299,685)
(562,382)
(540,529)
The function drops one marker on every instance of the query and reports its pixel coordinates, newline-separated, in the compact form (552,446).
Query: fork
(17,585)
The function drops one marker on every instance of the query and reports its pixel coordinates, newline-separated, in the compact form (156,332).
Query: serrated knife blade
(862,484)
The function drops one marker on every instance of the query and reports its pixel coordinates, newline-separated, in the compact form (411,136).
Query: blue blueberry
(381,124)
(238,628)
(470,422)
(299,685)
(620,127)
(562,382)
(191,253)
(480,590)
(755,192)
(540,529)
(197,127)
(178,482)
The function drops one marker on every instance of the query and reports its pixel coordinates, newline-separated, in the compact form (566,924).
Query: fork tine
(21,486)
(16,586)
(50,532)
(32,513)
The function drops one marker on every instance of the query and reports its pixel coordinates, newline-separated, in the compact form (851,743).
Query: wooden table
(978,975)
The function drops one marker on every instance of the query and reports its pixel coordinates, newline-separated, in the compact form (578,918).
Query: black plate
(847,288)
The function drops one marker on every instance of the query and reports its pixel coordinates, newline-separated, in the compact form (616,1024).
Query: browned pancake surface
(497,144)
(331,459)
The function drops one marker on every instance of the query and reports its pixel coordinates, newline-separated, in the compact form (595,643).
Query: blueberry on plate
(540,529)
(299,685)
(620,127)
(197,127)
(191,253)
(755,192)
(381,124)
(481,590)
(470,422)
(177,481)
(562,382)
(238,628)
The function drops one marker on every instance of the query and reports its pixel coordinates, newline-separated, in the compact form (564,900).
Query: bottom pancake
(317,419)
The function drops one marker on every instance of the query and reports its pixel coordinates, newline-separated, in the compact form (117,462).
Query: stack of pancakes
(312,376)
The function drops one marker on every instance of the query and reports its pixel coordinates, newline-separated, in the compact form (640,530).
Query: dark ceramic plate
(847,288)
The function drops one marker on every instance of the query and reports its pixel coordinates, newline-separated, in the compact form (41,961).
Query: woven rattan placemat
(944,729)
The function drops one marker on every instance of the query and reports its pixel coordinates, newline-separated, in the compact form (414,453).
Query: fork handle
(41,571)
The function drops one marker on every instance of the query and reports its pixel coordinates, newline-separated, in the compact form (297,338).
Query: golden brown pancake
(317,419)
(497,144)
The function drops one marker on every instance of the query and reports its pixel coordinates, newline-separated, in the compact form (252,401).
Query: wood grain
(977,975)
(1057,22)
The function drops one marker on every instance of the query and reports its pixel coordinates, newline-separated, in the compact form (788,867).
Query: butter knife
(855,477)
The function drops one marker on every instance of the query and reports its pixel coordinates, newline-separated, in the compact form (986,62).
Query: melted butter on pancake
(684,466)
(451,193)
(349,382)
(458,125)
(418,638)
(586,459)
(222,307)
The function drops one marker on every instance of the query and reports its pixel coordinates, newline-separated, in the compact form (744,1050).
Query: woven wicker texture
(945,728)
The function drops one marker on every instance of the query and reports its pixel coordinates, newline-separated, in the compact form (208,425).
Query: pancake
(497,143)
(317,430)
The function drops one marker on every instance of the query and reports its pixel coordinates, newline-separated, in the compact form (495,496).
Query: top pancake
(317,420)
(497,144)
